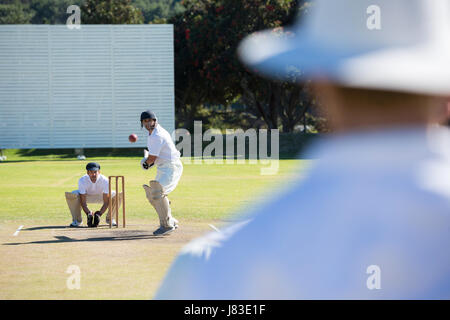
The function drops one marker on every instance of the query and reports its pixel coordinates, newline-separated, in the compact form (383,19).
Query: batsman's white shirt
(370,221)
(169,166)
(86,186)
(160,144)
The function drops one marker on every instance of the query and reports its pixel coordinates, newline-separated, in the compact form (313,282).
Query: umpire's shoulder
(203,246)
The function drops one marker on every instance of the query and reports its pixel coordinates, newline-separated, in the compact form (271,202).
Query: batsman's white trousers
(168,175)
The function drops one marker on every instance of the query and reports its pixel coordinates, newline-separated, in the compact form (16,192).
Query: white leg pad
(148,193)
(155,194)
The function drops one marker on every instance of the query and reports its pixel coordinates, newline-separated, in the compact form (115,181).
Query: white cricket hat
(398,45)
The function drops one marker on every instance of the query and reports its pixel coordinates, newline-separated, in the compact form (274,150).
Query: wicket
(116,200)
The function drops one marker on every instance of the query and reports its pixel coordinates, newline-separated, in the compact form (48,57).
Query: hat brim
(423,68)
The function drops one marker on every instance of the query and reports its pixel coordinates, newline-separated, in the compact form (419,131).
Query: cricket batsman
(162,153)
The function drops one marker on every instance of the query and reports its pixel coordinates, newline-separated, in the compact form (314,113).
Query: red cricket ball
(133,138)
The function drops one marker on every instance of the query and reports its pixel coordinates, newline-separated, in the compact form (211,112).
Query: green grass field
(114,263)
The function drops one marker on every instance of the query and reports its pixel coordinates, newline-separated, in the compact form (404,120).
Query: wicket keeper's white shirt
(160,144)
(86,186)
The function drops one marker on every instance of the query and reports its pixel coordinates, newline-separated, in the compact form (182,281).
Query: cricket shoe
(75,224)
(163,230)
(114,223)
(90,219)
(96,220)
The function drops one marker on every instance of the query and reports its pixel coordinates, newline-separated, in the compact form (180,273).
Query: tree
(15,13)
(35,11)
(158,11)
(207,68)
(54,11)
(110,12)
(51,11)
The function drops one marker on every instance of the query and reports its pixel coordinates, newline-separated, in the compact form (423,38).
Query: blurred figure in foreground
(371,220)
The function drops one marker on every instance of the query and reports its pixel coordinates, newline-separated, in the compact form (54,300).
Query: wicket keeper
(163,153)
(93,187)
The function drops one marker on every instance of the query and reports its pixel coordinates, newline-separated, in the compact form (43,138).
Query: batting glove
(145,165)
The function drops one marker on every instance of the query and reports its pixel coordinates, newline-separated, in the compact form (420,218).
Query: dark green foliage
(110,12)
(208,71)
(158,11)
(54,11)
(51,11)
(15,13)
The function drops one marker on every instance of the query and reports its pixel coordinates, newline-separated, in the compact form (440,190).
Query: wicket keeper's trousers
(74,203)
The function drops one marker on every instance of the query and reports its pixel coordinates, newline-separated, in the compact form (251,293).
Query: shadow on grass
(31,155)
(281,157)
(64,239)
(88,152)
(291,146)
(44,228)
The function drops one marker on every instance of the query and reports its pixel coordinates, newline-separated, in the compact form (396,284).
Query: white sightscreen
(86,88)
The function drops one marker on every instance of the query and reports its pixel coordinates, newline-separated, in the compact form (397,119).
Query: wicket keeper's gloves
(96,219)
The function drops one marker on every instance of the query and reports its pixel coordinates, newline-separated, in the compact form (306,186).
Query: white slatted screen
(85,88)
